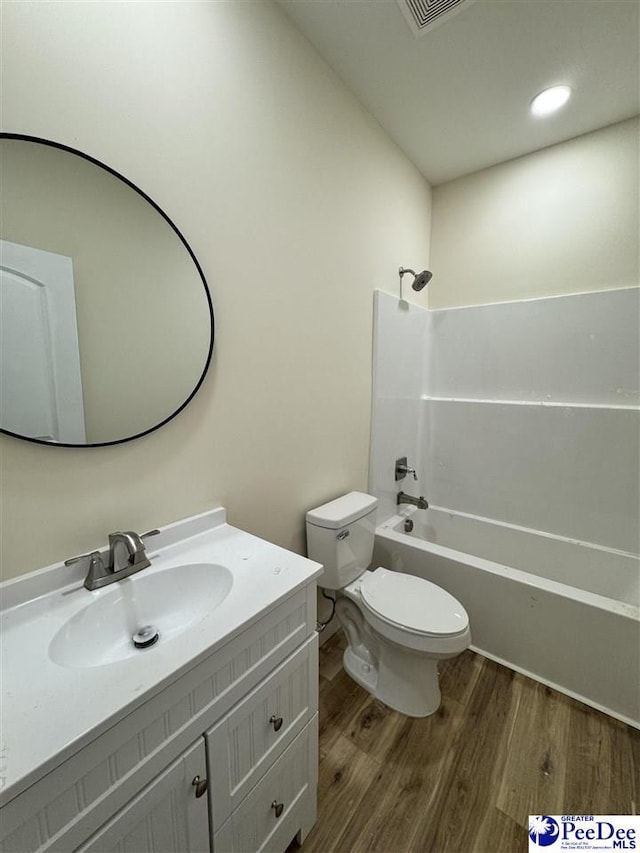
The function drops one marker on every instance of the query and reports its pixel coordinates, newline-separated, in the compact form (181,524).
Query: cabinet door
(165,817)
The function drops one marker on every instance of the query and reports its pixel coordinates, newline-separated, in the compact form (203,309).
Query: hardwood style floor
(464,780)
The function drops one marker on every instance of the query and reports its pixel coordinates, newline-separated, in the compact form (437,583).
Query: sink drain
(145,637)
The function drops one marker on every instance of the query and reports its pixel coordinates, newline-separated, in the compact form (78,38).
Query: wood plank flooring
(464,780)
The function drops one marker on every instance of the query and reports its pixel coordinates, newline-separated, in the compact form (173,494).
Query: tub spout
(404,498)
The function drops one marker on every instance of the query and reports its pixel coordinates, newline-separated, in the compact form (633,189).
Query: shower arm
(402,271)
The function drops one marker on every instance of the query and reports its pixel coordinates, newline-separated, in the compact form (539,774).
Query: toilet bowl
(410,624)
(398,626)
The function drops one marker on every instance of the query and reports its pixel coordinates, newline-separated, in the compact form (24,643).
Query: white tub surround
(523,412)
(93,742)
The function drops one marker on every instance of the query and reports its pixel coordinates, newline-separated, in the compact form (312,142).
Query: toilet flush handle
(342,535)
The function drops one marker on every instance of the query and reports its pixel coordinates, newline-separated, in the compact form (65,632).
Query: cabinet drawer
(282,803)
(243,745)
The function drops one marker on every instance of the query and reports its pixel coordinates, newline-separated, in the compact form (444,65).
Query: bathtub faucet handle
(402,469)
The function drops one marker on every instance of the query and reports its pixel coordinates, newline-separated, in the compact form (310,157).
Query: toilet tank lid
(342,511)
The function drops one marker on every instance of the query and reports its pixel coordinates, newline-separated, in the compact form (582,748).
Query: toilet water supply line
(320,626)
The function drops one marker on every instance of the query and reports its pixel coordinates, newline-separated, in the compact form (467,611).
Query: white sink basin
(173,600)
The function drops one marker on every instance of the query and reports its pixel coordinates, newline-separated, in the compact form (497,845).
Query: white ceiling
(457,98)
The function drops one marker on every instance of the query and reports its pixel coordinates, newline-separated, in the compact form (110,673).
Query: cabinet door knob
(277,807)
(200,785)
(276,722)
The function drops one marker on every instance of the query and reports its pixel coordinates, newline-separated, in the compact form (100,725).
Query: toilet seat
(412,612)
(413,603)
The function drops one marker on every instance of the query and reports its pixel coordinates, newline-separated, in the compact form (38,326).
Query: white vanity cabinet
(244,718)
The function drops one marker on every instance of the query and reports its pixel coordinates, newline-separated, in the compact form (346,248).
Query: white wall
(296,205)
(562,220)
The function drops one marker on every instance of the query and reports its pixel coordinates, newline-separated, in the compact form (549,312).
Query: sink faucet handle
(91,557)
(97,569)
(149,533)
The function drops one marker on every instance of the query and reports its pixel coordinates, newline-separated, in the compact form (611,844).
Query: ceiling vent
(424,15)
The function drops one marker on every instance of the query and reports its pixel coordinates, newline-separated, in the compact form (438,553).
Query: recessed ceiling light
(550,100)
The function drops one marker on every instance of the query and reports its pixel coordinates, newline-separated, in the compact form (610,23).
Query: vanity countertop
(50,711)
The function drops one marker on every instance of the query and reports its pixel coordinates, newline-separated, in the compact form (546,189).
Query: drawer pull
(276,722)
(277,807)
(201,785)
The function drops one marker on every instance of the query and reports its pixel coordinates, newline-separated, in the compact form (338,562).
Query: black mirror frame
(59,145)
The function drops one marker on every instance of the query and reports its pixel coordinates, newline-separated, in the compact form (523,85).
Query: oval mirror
(106,321)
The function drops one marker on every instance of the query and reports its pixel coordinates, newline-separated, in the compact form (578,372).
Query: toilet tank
(340,535)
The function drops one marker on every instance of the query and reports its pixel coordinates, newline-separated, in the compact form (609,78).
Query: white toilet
(398,626)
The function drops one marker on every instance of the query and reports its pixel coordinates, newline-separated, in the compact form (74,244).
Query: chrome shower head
(420,280)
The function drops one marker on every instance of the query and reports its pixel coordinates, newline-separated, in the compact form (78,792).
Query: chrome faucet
(126,557)
(420,502)
(126,550)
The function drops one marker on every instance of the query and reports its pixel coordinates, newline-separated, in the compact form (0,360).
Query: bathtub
(564,612)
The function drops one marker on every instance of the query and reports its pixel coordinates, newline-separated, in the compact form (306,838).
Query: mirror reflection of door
(144,313)
(40,383)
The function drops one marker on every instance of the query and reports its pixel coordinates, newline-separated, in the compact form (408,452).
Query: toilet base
(362,671)
(408,681)
(404,680)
